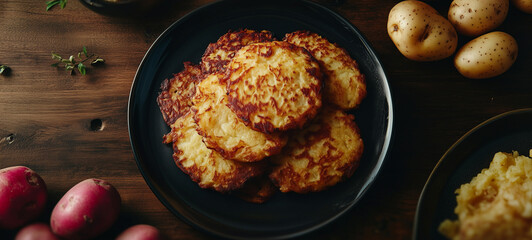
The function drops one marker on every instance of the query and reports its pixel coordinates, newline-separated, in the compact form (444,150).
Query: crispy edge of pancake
(345,85)
(218,54)
(204,166)
(215,121)
(174,100)
(337,148)
(269,113)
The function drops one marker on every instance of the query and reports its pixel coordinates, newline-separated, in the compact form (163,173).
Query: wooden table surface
(47,116)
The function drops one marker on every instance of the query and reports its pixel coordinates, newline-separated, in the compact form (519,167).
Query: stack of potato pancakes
(258,114)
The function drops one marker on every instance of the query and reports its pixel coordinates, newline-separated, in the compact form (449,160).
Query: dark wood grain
(46,114)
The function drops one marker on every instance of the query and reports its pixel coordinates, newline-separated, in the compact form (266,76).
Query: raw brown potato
(22,196)
(420,32)
(486,56)
(86,210)
(36,231)
(476,17)
(523,5)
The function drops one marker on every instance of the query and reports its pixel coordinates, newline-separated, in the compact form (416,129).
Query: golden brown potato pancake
(274,86)
(205,166)
(345,85)
(218,54)
(231,114)
(321,155)
(176,93)
(224,132)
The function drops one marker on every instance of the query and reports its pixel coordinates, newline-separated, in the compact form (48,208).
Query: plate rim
(374,173)
(439,165)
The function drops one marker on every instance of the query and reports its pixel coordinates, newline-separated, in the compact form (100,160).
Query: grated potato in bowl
(497,203)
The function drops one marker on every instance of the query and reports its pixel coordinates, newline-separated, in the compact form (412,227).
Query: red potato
(22,196)
(36,231)
(140,232)
(87,210)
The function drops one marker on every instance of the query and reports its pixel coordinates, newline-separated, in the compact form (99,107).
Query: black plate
(285,215)
(511,131)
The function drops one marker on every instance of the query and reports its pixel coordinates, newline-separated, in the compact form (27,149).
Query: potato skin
(140,232)
(23,196)
(476,17)
(36,231)
(523,5)
(486,56)
(86,210)
(420,32)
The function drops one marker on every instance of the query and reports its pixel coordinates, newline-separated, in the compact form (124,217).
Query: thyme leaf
(71,63)
(52,3)
(4,70)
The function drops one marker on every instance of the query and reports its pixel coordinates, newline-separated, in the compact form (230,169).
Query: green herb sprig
(4,70)
(52,3)
(71,63)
